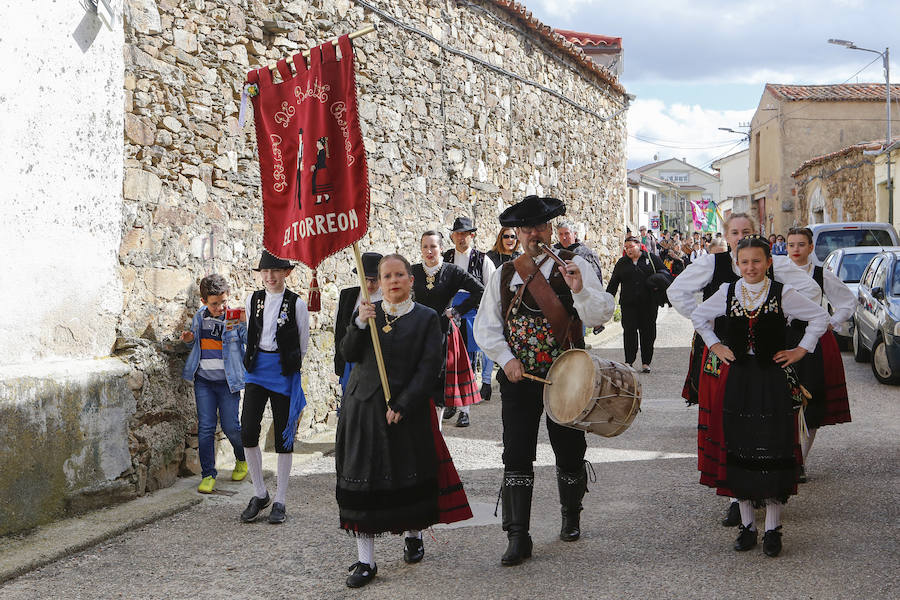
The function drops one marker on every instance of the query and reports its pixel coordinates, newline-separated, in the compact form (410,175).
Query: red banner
(312,161)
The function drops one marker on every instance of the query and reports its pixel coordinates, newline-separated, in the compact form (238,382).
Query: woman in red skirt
(821,372)
(753,411)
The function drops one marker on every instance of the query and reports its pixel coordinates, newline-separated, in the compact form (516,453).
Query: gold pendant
(430,286)
(386,328)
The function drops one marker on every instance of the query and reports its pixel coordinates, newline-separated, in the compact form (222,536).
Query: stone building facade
(485,107)
(837,187)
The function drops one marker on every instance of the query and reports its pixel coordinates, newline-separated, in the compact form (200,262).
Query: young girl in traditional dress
(394,474)
(753,407)
(821,372)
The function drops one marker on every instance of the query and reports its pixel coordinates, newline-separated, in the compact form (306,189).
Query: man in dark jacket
(639,309)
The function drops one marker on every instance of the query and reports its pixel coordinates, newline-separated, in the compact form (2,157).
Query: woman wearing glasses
(506,247)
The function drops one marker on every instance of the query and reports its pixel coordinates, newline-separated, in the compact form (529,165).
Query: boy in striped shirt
(215,365)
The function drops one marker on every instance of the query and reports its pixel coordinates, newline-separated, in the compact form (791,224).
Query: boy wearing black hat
(477,264)
(348,302)
(277,339)
(524,335)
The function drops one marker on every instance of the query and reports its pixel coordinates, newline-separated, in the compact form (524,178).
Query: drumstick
(536,378)
(552,255)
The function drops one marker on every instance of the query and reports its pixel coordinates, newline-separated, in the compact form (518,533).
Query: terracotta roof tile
(593,39)
(833,93)
(556,40)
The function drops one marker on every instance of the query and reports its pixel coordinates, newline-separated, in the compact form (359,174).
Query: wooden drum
(592,394)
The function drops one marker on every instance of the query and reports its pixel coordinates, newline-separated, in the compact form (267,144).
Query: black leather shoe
(463,420)
(252,511)
(801,478)
(732,515)
(746,539)
(772,542)
(361,574)
(485,392)
(449,412)
(413,550)
(276,515)
(518,549)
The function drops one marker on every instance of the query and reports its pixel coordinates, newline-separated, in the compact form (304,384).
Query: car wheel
(880,365)
(860,354)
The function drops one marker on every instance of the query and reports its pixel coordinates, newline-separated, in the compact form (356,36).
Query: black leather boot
(517,489)
(572,487)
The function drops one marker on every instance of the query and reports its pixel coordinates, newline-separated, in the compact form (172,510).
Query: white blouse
(699,273)
(794,304)
(839,295)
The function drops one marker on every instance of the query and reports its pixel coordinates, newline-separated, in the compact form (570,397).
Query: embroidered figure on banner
(321,185)
(299,169)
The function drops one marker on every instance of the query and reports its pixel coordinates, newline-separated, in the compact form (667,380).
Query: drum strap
(566,329)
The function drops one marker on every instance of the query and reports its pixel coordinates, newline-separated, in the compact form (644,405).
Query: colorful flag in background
(711,223)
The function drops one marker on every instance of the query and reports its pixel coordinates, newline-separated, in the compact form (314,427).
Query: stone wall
(444,137)
(838,189)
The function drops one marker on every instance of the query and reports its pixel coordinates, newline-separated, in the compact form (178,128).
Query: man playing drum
(533,310)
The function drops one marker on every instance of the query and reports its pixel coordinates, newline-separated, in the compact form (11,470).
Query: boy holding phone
(215,366)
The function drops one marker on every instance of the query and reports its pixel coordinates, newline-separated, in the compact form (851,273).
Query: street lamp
(886,59)
(744,134)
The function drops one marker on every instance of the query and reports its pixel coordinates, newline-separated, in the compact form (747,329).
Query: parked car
(828,237)
(848,264)
(877,331)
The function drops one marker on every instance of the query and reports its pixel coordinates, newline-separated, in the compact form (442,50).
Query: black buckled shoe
(413,550)
(746,539)
(485,392)
(251,513)
(772,542)
(463,420)
(361,574)
(276,515)
(801,477)
(732,515)
(449,411)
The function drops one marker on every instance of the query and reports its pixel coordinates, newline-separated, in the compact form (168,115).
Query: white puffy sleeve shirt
(593,305)
(794,304)
(700,272)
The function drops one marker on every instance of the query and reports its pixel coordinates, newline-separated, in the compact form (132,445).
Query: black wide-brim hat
(533,210)
(463,225)
(268,261)
(370,262)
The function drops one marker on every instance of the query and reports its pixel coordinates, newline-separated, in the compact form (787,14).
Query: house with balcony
(676,184)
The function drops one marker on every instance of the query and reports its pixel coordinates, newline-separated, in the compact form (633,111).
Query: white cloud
(681,131)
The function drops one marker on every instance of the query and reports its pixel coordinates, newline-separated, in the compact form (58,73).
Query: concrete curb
(49,543)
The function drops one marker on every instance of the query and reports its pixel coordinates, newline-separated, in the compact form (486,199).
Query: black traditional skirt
(760,432)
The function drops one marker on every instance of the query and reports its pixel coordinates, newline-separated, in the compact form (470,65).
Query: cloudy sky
(696,65)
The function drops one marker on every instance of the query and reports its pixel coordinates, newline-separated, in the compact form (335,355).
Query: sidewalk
(46,544)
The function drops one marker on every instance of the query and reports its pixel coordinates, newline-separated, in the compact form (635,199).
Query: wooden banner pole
(375,341)
(358,33)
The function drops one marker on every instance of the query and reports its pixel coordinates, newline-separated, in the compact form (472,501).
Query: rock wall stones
(444,135)
(839,189)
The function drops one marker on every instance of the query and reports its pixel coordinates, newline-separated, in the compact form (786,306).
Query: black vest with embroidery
(526,329)
(286,335)
(475,267)
(765,333)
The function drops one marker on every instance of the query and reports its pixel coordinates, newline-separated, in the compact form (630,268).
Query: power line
(676,146)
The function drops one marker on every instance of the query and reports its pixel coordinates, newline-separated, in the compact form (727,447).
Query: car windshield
(853,265)
(895,278)
(850,238)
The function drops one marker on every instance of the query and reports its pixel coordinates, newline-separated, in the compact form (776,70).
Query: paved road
(650,531)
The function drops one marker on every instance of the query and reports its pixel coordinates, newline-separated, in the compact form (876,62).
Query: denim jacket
(234,344)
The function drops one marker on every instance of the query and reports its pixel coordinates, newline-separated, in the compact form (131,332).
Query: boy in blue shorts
(215,365)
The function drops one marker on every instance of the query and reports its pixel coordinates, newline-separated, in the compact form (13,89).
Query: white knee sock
(413,533)
(773,514)
(747,518)
(464,409)
(440,415)
(284,475)
(365,549)
(807,442)
(254,465)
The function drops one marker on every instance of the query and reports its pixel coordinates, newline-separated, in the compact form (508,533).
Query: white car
(828,237)
(848,264)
